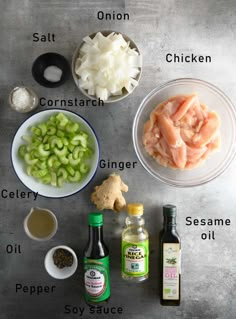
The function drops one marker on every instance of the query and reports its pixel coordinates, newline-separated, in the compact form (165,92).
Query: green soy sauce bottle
(96,263)
(170,259)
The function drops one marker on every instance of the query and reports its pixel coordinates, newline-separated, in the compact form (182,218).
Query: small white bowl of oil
(40,224)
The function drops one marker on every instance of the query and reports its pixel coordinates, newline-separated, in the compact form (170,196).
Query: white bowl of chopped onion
(107,66)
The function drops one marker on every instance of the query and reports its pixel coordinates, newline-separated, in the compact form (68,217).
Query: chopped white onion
(106,65)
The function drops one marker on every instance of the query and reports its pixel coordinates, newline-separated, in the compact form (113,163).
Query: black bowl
(48,59)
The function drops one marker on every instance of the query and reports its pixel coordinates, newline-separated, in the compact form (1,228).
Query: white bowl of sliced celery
(55,153)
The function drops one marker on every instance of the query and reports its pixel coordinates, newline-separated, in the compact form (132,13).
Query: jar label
(135,258)
(96,279)
(171,271)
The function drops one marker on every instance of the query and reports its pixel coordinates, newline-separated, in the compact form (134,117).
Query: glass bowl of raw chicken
(184,132)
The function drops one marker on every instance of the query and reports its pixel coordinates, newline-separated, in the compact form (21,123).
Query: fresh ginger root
(108,195)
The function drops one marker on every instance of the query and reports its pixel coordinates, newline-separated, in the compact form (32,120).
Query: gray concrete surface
(158,27)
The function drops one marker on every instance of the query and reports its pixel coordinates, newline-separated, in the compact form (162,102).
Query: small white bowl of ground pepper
(61,262)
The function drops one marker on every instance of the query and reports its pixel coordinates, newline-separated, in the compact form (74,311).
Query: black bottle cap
(169,210)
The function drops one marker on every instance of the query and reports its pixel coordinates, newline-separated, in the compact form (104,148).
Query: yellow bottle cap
(135,209)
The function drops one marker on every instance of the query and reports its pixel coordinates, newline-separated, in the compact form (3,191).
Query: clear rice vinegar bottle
(135,245)
(170,259)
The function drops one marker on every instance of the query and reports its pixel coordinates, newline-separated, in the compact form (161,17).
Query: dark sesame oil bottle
(170,259)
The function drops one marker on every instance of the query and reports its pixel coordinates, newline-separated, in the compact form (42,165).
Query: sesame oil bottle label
(171,271)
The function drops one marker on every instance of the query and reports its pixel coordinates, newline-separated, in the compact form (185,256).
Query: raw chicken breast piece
(185,106)
(207,131)
(181,133)
(171,134)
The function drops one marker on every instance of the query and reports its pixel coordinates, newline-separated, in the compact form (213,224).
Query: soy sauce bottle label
(135,258)
(171,271)
(97,279)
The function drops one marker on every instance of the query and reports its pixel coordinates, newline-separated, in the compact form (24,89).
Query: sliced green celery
(43,128)
(62,152)
(56,141)
(27,138)
(46,138)
(29,170)
(42,165)
(88,153)
(62,173)
(65,141)
(73,161)
(55,151)
(34,153)
(78,152)
(63,120)
(46,179)
(53,179)
(52,119)
(36,130)
(71,147)
(42,151)
(75,178)
(60,133)
(70,170)
(29,160)
(72,127)
(56,164)
(40,173)
(51,160)
(22,150)
(60,181)
(64,160)
(79,139)
(46,146)
(51,130)
(84,168)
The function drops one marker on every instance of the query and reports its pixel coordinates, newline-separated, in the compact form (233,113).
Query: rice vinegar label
(96,279)
(135,258)
(171,271)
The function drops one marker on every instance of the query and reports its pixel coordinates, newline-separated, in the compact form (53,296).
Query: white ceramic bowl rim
(95,138)
(179,81)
